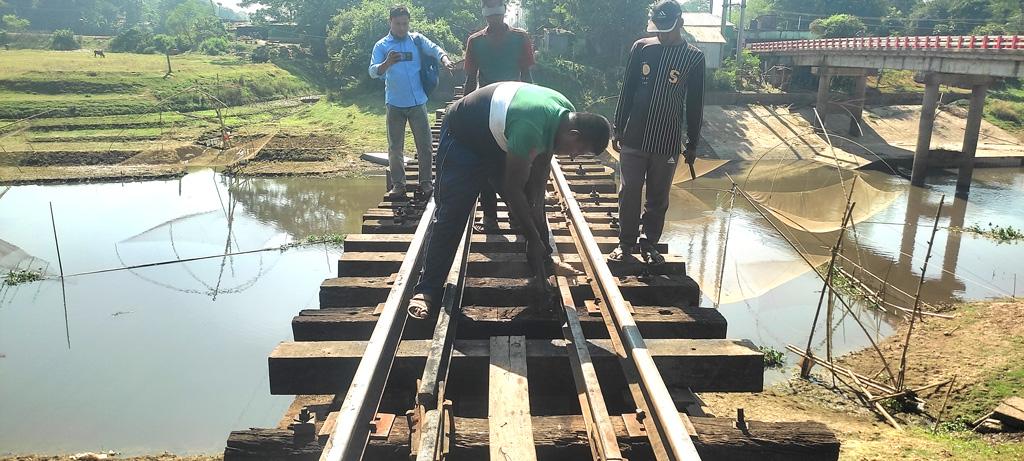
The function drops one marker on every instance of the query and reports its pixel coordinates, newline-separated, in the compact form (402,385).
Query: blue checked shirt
(402,86)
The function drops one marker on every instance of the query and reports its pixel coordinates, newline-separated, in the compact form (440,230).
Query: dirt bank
(307,155)
(983,347)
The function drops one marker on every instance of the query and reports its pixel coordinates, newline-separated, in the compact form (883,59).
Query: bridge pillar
(860,89)
(824,84)
(924,130)
(970,148)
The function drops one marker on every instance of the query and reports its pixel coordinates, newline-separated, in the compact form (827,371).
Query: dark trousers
(461,175)
(637,169)
(489,202)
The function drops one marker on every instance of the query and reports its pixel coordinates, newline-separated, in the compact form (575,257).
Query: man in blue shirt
(396,59)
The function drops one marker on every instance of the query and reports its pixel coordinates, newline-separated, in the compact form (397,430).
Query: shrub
(163,43)
(64,40)
(1005,111)
(214,46)
(990,29)
(132,40)
(355,30)
(839,25)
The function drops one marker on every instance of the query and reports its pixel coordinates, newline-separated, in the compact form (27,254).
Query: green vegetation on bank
(68,84)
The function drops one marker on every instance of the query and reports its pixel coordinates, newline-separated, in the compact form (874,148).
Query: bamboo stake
(913,391)
(725,248)
(945,400)
(60,266)
(917,297)
(842,370)
(878,407)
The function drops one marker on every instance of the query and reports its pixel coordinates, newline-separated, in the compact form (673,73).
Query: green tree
(950,17)
(214,46)
(64,40)
(840,25)
(607,27)
(12,23)
(134,40)
(311,17)
(355,30)
(192,22)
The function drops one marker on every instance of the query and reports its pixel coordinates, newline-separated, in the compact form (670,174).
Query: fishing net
(821,210)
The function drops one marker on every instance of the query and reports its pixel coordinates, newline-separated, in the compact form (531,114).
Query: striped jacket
(662,88)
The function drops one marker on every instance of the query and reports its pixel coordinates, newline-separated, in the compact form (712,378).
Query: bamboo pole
(945,400)
(60,266)
(878,407)
(917,297)
(804,372)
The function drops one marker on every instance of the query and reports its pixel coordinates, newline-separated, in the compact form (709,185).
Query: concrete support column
(950,257)
(860,89)
(970,148)
(924,131)
(824,83)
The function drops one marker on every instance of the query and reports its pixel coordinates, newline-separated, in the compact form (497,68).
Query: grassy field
(69,109)
(74,83)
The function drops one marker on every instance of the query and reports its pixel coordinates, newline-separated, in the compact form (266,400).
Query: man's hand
(448,64)
(393,58)
(617,145)
(690,155)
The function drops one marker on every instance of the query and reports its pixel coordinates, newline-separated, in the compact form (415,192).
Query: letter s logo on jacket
(673,76)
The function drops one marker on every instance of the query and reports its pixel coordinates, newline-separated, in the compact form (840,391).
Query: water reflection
(768,291)
(169,357)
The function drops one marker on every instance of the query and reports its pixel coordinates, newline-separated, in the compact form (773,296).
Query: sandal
(486,226)
(622,256)
(420,307)
(650,253)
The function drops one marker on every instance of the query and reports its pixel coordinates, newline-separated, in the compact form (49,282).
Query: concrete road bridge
(971,62)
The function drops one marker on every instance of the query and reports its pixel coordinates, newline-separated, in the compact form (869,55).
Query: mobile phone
(407,55)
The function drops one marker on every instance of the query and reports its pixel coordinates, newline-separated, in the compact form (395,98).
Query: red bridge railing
(926,42)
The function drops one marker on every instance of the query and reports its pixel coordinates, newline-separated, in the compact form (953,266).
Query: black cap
(664,16)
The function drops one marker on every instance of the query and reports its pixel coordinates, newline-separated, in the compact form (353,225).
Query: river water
(174,357)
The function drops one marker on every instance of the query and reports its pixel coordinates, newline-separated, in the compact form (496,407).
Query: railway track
(609,371)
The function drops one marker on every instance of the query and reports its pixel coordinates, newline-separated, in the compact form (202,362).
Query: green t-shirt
(499,57)
(525,117)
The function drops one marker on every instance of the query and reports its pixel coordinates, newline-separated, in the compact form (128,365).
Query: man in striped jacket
(662,91)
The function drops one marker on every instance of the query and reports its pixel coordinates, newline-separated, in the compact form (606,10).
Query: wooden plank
(564,438)
(508,264)
(704,365)
(508,292)
(510,435)
(476,322)
(481,243)
(1010,412)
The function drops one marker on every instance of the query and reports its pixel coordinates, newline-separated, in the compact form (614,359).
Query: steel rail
(430,395)
(352,430)
(671,430)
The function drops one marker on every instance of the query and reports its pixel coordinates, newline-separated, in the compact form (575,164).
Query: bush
(732,76)
(214,46)
(990,29)
(839,25)
(132,40)
(1005,111)
(589,88)
(64,40)
(163,43)
(355,30)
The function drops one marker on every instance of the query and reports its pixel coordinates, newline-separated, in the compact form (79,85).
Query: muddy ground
(983,347)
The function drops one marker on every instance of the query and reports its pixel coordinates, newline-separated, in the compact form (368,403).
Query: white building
(705,31)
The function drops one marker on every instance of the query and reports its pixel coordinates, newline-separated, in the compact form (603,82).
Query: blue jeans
(461,175)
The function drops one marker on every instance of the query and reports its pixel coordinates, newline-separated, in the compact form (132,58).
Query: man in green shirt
(503,135)
(497,53)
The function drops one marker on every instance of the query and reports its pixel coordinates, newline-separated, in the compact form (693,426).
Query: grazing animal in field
(98,53)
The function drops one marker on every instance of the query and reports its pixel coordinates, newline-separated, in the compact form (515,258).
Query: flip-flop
(419,307)
(621,256)
(650,253)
